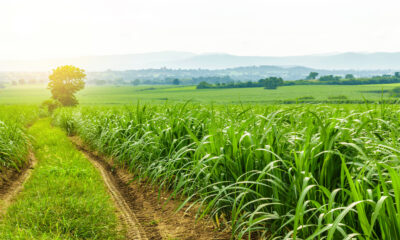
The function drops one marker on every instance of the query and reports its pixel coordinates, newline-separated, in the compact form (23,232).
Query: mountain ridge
(188,60)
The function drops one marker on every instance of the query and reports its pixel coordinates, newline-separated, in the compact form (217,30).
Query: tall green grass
(14,142)
(303,172)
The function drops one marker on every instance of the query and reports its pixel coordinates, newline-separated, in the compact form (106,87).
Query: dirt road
(144,211)
(134,231)
(11,186)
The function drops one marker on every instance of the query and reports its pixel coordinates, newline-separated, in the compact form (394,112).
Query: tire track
(11,190)
(134,230)
(146,210)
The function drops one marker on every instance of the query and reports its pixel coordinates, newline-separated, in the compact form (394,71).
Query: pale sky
(39,29)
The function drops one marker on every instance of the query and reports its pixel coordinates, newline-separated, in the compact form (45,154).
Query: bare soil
(12,181)
(144,211)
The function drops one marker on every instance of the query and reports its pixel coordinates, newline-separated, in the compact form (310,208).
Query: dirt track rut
(10,190)
(146,212)
(134,230)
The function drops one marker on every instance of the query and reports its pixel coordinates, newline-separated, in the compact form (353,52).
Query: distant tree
(397,74)
(330,78)
(349,76)
(176,81)
(312,76)
(21,81)
(14,83)
(272,82)
(32,81)
(50,105)
(64,82)
(135,82)
(203,85)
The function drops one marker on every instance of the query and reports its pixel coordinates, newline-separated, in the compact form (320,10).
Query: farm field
(114,95)
(265,172)
(199,120)
(248,171)
(13,120)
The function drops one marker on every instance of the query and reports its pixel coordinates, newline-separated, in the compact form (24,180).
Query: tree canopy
(176,81)
(312,75)
(64,82)
(272,82)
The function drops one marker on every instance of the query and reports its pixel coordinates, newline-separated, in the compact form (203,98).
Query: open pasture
(115,95)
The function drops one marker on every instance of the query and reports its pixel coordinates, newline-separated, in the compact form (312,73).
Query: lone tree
(64,82)
(312,76)
(176,81)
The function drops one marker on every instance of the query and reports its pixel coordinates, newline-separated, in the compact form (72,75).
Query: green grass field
(114,95)
(265,170)
(64,199)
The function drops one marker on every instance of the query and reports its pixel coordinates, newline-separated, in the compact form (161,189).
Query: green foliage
(306,98)
(50,105)
(307,172)
(338,97)
(64,82)
(328,78)
(65,197)
(204,85)
(14,141)
(272,82)
(107,95)
(267,83)
(249,84)
(312,76)
(395,92)
(176,81)
(349,80)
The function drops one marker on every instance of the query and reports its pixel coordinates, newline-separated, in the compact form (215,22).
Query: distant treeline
(274,82)
(268,83)
(167,81)
(348,80)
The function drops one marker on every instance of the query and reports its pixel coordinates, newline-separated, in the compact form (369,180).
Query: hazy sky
(31,29)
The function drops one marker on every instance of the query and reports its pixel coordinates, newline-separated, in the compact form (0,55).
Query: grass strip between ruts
(65,198)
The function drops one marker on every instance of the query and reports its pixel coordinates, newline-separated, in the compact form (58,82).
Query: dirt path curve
(10,188)
(134,230)
(145,210)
